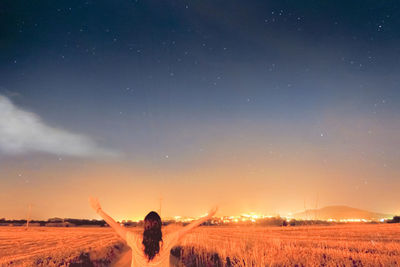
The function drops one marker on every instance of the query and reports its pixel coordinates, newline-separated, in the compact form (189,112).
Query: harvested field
(337,245)
(53,246)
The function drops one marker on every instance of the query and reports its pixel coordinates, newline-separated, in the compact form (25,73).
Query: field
(53,246)
(337,245)
(342,245)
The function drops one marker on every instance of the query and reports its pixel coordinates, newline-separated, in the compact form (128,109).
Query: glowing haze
(263,107)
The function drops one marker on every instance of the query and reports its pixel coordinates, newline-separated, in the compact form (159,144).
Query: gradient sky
(260,106)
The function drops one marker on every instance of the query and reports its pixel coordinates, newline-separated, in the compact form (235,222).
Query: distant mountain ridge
(340,213)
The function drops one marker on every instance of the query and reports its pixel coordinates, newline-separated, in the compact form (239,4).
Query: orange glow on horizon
(246,179)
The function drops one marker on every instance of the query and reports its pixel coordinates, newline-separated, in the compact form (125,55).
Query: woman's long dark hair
(152,234)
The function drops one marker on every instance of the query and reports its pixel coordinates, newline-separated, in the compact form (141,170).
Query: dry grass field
(340,245)
(53,246)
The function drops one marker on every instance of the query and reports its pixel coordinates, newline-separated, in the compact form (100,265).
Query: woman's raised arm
(121,231)
(196,223)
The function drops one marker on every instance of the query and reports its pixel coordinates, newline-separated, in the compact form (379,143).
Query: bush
(396,219)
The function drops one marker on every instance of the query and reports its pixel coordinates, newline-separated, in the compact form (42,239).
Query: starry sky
(260,106)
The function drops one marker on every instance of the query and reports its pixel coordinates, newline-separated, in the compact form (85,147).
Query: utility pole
(29,215)
(316,208)
(305,209)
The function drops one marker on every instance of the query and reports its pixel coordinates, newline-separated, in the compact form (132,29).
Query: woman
(151,248)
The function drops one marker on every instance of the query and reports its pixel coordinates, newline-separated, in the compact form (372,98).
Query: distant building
(55,220)
(33,224)
(60,224)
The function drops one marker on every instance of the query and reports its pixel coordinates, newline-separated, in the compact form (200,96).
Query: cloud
(23,132)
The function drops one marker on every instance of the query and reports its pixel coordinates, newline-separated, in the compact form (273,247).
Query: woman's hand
(212,211)
(95,204)
(121,231)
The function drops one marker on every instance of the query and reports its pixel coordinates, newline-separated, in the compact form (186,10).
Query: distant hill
(340,213)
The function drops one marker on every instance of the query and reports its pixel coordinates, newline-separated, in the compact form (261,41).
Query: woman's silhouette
(151,248)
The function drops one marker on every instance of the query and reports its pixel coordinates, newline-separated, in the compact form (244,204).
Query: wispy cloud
(23,132)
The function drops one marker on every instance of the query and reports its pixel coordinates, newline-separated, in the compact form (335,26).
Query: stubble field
(337,245)
(58,246)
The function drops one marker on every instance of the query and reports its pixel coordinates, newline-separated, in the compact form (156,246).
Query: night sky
(261,106)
